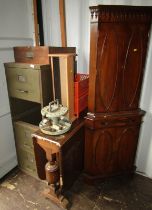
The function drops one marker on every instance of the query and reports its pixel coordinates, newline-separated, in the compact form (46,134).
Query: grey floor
(19,191)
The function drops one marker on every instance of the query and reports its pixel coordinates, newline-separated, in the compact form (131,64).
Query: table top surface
(59,140)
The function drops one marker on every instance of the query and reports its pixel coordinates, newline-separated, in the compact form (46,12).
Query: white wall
(144,155)
(14,19)
(16,29)
(8,158)
(51,22)
(121,2)
(77,15)
(77,21)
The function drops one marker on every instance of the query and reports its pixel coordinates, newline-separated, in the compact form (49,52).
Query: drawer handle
(31,160)
(29,55)
(104,123)
(22,91)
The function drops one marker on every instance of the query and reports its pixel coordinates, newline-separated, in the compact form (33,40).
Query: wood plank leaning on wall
(36,30)
(63,23)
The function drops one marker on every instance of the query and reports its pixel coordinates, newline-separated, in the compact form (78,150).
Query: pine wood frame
(36,30)
(62,23)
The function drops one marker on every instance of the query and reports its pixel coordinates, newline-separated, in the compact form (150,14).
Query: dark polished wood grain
(116,69)
(118,47)
(110,144)
(121,13)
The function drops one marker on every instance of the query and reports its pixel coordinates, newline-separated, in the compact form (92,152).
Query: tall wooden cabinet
(119,38)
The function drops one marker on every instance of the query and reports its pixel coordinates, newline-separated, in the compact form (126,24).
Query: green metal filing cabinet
(24,146)
(29,82)
(29,88)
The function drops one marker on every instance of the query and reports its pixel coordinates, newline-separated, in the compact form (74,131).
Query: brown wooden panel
(111,149)
(38,54)
(73,158)
(127,141)
(89,165)
(34,55)
(100,156)
(115,119)
(121,13)
(133,65)
(103,151)
(118,46)
(108,68)
(120,65)
(63,22)
(92,69)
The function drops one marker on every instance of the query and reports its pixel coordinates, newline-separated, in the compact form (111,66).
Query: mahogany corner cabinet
(118,47)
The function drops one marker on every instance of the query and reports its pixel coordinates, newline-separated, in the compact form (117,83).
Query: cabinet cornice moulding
(117,13)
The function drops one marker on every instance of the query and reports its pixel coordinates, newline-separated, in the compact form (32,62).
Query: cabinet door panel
(127,144)
(133,65)
(120,64)
(107,78)
(103,151)
(112,150)
(100,151)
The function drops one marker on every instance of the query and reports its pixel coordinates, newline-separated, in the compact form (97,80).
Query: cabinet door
(135,46)
(108,68)
(121,55)
(127,140)
(110,151)
(100,151)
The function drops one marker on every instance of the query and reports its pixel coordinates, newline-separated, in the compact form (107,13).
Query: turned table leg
(53,177)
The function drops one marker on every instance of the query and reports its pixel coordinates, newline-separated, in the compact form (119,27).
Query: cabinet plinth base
(90,179)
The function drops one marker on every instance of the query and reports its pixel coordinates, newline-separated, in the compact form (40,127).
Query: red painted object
(81,86)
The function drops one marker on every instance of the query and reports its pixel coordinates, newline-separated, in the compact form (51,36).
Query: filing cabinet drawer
(23,133)
(29,82)
(27,161)
(24,83)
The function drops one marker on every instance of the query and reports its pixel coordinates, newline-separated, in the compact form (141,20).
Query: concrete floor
(19,191)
